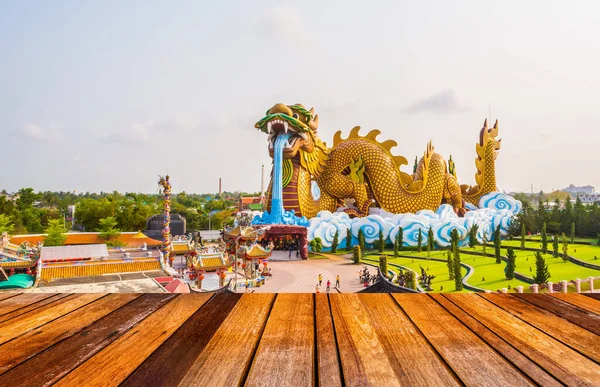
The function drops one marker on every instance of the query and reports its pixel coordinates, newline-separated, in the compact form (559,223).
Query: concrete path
(302,276)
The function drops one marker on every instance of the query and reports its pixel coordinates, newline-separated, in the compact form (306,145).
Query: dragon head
(291,118)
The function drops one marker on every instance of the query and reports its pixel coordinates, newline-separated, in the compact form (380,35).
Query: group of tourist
(328,288)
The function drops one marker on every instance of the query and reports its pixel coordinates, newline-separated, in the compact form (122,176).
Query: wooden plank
(52,364)
(579,300)
(595,296)
(385,328)
(170,362)
(470,358)
(6,295)
(227,357)
(522,362)
(21,300)
(581,317)
(328,361)
(565,364)
(31,307)
(114,363)
(35,341)
(286,352)
(40,316)
(362,354)
(572,335)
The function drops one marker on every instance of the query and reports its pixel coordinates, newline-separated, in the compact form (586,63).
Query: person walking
(337,281)
(320,279)
(317,289)
(328,286)
(291,249)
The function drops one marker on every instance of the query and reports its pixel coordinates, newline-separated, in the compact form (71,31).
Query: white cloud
(137,133)
(37,132)
(282,22)
(444,102)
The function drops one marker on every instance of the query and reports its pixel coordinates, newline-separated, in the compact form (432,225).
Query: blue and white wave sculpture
(495,209)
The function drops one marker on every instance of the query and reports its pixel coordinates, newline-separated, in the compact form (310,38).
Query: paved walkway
(302,276)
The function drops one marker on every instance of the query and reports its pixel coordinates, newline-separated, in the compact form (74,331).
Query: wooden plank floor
(299,340)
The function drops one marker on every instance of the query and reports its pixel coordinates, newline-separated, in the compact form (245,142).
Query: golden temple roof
(257,251)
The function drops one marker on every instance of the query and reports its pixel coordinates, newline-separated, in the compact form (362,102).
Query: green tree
(573,232)
(357,254)
(411,280)
(598,243)
(484,243)
(315,245)
(400,238)
(430,239)
(361,240)
(473,235)
(497,244)
(348,240)
(383,265)
(419,241)
(544,239)
(6,224)
(523,236)
(109,231)
(555,245)
(541,269)
(334,243)
(458,285)
(510,263)
(396,246)
(56,233)
(565,247)
(450,263)
(381,242)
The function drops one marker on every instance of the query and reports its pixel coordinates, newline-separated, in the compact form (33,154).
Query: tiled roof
(54,272)
(85,238)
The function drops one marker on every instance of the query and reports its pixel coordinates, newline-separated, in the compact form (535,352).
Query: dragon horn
(314,124)
(496,125)
(312,111)
(485,124)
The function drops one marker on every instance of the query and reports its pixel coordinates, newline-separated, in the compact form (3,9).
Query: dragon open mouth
(277,126)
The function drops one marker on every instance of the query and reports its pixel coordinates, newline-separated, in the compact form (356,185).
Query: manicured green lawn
(487,274)
(438,269)
(588,253)
(587,240)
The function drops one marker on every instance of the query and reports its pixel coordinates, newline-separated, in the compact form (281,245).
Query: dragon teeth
(285,126)
(304,136)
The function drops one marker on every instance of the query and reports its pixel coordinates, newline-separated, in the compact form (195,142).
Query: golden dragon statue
(362,170)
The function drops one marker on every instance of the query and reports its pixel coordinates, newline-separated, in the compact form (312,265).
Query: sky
(107,95)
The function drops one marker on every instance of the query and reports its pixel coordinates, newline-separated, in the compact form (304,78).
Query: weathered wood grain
(522,362)
(413,359)
(31,343)
(363,357)
(475,363)
(595,296)
(114,363)
(574,336)
(171,361)
(579,300)
(49,366)
(6,295)
(286,352)
(13,304)
(18,326)
(227,357)
(581,317)
(565,364)
(328,362)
